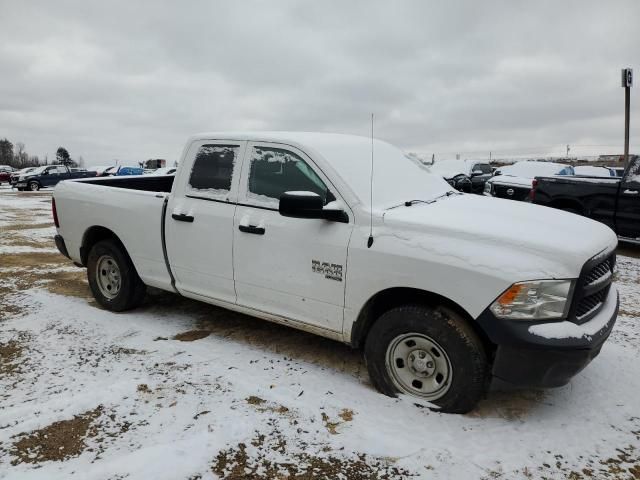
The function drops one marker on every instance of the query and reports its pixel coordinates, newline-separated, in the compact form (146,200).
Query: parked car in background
(16,175)
(5,176)
(614,201)
(463,175)
(100,169)
(48,176)
(515,181)
(591,171)
(121,170)
(442,290)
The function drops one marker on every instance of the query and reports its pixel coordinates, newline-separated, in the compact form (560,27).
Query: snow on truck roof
(396,178)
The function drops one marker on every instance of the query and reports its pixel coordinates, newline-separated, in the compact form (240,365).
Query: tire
(447,342)
(113,279)
(33,186)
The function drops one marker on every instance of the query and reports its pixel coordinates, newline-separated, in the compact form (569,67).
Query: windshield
(37,171)
(396,177)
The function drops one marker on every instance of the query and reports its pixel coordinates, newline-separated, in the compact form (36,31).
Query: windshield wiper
(408,203)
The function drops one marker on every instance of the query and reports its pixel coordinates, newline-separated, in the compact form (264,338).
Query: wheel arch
(389,298)
(95,234)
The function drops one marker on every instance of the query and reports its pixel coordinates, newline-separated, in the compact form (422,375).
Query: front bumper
(544,354)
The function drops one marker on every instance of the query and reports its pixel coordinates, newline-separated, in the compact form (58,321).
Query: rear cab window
(212,170)
(274,170)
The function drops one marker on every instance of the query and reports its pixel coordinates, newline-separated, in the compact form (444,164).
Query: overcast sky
(130,81)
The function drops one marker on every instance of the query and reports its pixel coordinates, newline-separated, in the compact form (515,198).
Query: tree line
(17,156)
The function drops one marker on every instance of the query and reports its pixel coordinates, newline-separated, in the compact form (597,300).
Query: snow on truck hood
(503,235)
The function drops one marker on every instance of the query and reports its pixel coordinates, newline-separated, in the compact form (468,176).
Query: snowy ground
(182,390)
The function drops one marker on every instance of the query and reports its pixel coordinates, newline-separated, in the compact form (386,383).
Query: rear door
(291,267)
(199,220)
(628,211)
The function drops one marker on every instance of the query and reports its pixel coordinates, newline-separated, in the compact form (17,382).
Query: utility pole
(568,150)
(627,83)
(490,157)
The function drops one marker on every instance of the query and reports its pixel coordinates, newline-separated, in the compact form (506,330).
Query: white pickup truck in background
(454,289)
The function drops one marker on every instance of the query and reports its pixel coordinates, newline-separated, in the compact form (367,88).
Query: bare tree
(20,157)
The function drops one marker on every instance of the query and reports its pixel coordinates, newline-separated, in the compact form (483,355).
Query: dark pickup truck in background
(613,201)
(48,176)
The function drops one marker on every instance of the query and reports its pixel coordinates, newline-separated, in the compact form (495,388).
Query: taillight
(54,212)
(532,192)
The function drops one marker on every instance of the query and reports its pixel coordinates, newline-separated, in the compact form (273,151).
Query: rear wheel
(428,353)
(113,279)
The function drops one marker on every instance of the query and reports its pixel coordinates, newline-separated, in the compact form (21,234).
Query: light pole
(627,83)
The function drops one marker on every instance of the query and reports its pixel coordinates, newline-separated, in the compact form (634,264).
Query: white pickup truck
(444,291)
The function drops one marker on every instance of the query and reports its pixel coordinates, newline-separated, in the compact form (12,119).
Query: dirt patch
(10,353)
(144,388)
(346,415)
(58,441)
(192,335)
(252,400)
(236,463)
(625,465)
(25,226)
(33,259)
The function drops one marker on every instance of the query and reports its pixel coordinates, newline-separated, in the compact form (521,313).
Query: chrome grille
(593,287)
(599,271)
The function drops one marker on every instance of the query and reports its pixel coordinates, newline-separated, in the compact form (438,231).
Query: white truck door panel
(199,220)
(292,267)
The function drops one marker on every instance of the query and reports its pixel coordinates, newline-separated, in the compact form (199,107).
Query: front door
(291,267)
(628,211)
(199,220)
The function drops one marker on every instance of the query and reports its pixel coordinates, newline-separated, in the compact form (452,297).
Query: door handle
(631,192)
(251,229)
(181,217)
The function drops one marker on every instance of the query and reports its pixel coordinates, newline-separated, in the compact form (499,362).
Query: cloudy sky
(132,80)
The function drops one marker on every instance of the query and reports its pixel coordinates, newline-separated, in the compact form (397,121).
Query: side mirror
(308,205)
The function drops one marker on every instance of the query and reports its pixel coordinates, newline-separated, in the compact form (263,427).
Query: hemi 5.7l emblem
(332,271)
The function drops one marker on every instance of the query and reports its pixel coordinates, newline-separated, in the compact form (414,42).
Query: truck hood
(511,180)
(502,235)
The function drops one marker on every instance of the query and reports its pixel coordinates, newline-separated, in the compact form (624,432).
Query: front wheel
(113,279)
(428,353)
(33,186)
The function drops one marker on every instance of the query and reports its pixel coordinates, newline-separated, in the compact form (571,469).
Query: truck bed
(146,183)
(130,207)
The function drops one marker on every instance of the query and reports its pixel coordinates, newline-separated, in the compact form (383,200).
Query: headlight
(536,300)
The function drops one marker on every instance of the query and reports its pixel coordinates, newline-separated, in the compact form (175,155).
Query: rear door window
(212,169)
